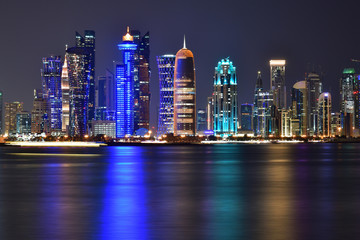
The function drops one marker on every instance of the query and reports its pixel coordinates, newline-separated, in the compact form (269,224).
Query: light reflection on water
(304,191)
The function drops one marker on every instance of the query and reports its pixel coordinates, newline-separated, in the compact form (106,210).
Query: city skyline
(251,41)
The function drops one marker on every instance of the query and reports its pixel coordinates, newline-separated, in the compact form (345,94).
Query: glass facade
(225,98)
(277,82)
(246,111)
(51,82)
(166,66)
(184,93)
(324,110)
(65,89)
(314,83)
(299,108)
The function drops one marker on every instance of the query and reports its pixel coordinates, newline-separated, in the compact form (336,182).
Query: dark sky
(325,33)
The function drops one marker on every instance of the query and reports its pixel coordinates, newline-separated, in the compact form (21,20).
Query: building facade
(246,117)
(39,118)
(65,90)
(299,108)
(201,121)
(314,84)
(166,66)
(258,89)
(11,109)
(184,93)
(324,109)
(277,82)
(210,113)
(23,123)
(225,98)
(347,84)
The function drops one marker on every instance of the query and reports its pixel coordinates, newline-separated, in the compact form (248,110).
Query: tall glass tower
(277,82)
(184,93)
(125,88)
(313,81)
(258,89)
(225,98)
(300,108)
(51,82)
(324,109)
(65,87)
(166,66)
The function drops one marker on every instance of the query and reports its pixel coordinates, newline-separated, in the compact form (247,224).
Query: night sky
(306,33)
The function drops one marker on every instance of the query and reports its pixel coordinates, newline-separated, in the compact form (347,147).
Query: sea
(174,192)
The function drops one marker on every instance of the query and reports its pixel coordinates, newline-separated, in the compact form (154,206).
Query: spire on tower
(184,42)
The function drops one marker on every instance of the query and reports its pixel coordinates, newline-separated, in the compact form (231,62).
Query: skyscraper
(258,89)
(125,88)
(23,123)
(357,104)
(300,108)
(166,66)
(277,82)
(88,42)
(225,98)
(201,120)
(347,101)
(184,93)
(314,83)
(11,109)
(65,89)
(51,82)
(264,113)
(324,110)
(246,112)
(210,114)
(39,120)
(141,80)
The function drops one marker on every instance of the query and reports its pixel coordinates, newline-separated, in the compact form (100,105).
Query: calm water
(276,191)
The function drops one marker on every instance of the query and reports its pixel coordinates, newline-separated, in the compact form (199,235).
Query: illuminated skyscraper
(11,109)
(88,42)
(125,88)
(225,98)
(166,66)
(39,119)
(357,104)
(246,112)
(184,93)
(324,109)
(79,82)
(257,122)
(300,108)
(51,82)
(264,113)
(315,89)
(277,82)
(23,123)
(141,80)
(210,114)
(347,101)
(65,89)
(201,121)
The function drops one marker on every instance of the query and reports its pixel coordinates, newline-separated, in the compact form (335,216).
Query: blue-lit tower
(166,66)
(225,98)
(51,82)
(125,88)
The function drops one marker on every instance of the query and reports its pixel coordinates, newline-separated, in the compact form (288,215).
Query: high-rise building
(264,102)
(258,89)
(39,118)
(324,107)
(285,125)
(166,66)
(277,82)
(11,109)
(225,98)
(184,93)
(51,82)
(201,121)
(357,104)
(88,42)
(65,90)
(347,101)
(125,87)
(141,80)
(105,104)
(1,112)
(336,124)
(210,113)
(246,119)
(300,108)
(314,84)
(23,123)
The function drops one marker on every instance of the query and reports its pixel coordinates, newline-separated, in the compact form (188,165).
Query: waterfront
(232,191)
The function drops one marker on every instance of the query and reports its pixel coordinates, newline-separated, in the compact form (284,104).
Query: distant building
(258,89)
(285,125)
(184,93)
(23,123)
(299,108)
(264,113)
(277,82)
(51,82)
(336,124)
(201,121)
(225,98)
(166,66)
(210,114)
(104,127)
(347,101)
(40,123)
(11,109)
(314,83)
(357,105)
(125,89)
(65,90)
(246,112)
(324,109)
